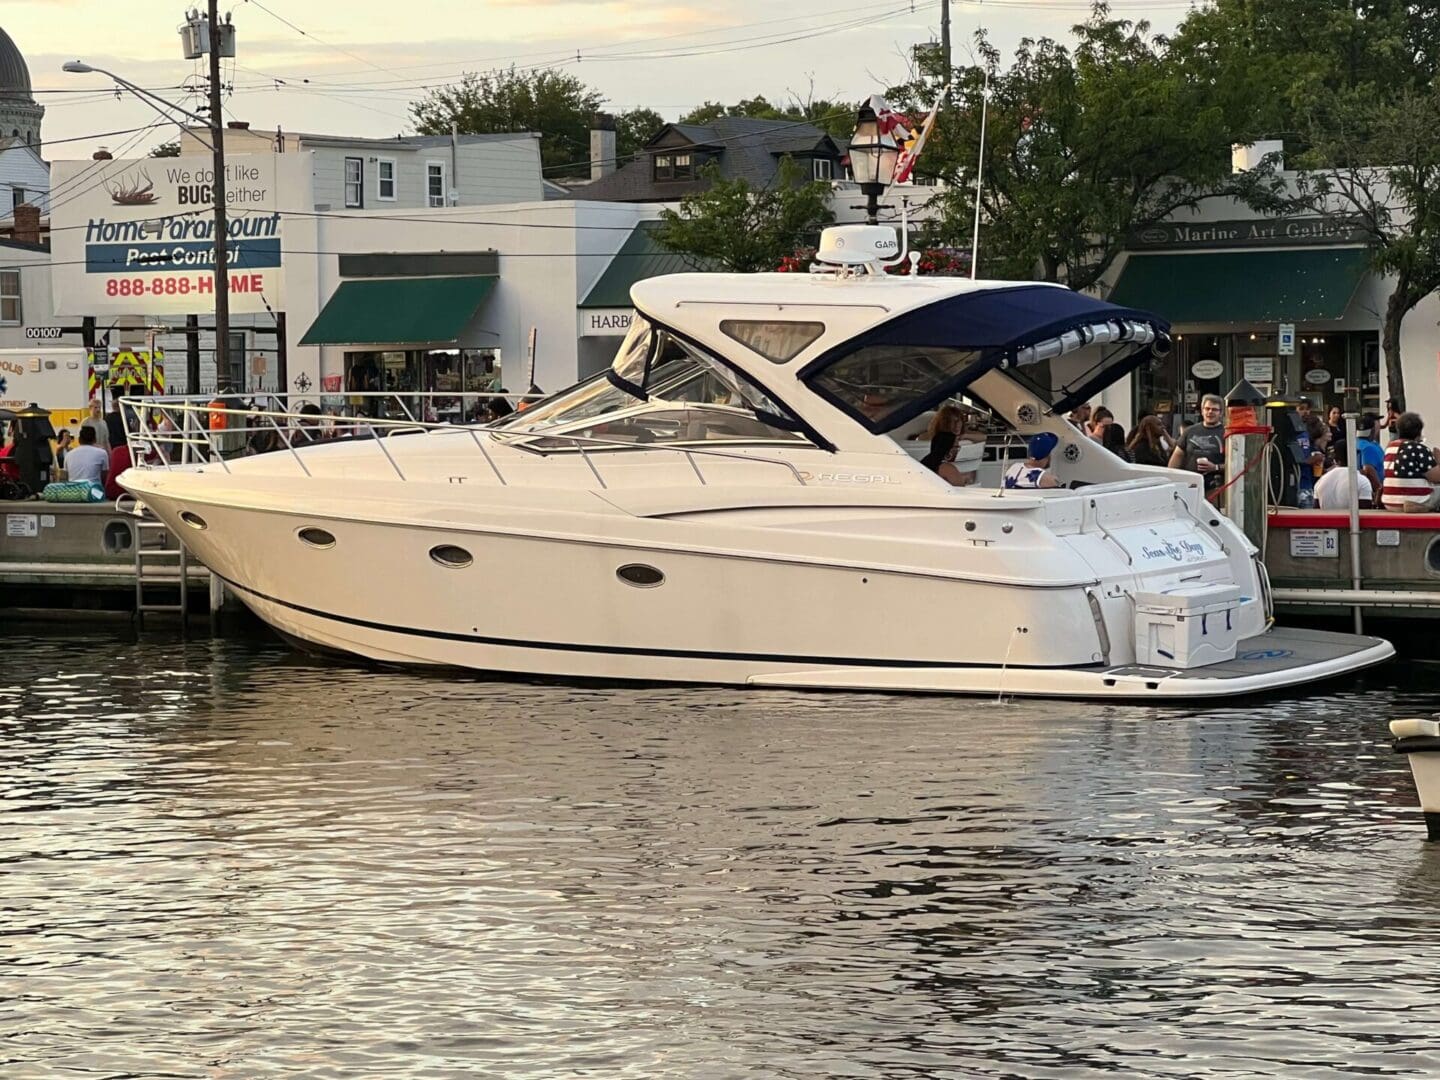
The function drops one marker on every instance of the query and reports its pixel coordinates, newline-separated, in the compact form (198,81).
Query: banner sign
(137,236)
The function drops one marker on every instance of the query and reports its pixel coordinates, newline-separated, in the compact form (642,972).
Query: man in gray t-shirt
(1202,448)
(87,461)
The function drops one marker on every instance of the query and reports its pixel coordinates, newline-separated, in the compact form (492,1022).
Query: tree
(745,229)
(633,129)
(1082,148)
(166,149)
(836,120)
(558,106)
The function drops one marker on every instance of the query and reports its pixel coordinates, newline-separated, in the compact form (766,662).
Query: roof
(14,74)
(1243,286)
(640,257)
(747,148)
(418,141)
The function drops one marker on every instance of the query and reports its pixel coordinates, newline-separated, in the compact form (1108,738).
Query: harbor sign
(137,236)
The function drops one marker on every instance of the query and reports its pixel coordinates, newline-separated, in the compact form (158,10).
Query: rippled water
(223,860)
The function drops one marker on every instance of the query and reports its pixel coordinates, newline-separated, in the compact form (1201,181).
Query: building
(404,173)
(20,113)
(669,165)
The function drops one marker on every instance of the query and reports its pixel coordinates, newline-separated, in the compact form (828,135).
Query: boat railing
(177,430)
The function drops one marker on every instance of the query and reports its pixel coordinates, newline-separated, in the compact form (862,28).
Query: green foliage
(1083,146)
(633,129)
(736,227)
(835,119)
(552,103)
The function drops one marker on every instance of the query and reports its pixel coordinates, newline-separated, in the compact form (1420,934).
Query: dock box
(1188,626)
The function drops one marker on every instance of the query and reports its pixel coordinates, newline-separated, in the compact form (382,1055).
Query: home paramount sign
(138,236)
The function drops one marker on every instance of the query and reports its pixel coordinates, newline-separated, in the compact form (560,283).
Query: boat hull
(1276,660)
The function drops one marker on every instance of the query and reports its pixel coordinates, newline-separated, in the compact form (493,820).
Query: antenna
(979,176)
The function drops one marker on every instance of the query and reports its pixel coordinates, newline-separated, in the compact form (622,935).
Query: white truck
(55,377)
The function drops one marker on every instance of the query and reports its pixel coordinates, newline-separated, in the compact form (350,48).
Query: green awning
(640,257)
(1242,286)
(399,311)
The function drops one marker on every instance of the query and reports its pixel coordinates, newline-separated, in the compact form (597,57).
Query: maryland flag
(905,163)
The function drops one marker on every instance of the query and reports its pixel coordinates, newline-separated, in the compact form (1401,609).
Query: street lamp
(217,183)
(873,154)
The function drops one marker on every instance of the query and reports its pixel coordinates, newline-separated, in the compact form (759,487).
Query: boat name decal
(847,478)
(1178,550)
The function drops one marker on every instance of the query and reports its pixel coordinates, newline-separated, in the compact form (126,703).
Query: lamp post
(218,38)
(873,154)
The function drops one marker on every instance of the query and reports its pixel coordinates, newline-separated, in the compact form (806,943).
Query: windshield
(660,389)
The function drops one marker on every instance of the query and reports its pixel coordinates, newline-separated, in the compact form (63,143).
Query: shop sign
(606,322)
(1317,376)
(1207,369)
(1258,369)
(1314,543)
(1286,345)
(138,236)
(1259,232)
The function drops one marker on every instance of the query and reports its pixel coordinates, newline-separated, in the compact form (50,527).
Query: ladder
(161,561)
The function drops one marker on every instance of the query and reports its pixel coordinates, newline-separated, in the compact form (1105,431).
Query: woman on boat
(946,428)
(1149,445)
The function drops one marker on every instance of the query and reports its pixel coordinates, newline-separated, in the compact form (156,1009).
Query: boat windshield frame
(642,372)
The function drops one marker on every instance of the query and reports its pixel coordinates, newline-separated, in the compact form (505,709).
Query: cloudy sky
(352,67)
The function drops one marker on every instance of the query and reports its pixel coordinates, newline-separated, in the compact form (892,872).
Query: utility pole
(217,194)
(945,41)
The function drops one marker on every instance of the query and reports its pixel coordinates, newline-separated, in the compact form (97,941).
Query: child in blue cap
(1034,471)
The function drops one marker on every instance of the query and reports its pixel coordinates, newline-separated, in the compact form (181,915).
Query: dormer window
(823,169)
(674,166)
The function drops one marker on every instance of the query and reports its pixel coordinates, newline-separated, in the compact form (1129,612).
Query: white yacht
(735,502)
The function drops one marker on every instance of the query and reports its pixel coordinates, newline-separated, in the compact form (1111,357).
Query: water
(223,860)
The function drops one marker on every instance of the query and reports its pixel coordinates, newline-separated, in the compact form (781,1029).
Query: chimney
(602,146)
(238,125)
(26,229)
(102,155)
(1247,156)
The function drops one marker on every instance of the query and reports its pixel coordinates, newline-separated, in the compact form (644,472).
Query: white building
(404,173)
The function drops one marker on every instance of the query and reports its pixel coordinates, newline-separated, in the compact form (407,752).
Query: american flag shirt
(1406,463)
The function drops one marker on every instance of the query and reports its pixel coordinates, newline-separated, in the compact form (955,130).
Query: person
(1112,438)
(1080,416)
(87,461)
(1392,416)
(1304,408)
(1335,421)
(946,432)
(1319,433)
(120,460)
(1034,471)
(114,423)
(1201,448)
(1149,445)
(1368,451)
(63,441)
(307,430)
(1412,469)
(496,408)
(1332,490)
(95,421)
(1100,419)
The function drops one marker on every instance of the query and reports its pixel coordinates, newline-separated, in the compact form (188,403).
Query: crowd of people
(1395,468)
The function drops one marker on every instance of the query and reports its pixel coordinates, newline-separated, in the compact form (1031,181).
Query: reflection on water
(224,860)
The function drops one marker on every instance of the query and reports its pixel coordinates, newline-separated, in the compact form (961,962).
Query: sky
(352,67)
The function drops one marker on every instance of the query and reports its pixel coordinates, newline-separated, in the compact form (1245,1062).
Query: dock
(60,557)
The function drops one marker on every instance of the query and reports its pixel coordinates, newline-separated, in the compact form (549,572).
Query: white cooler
(1187,626)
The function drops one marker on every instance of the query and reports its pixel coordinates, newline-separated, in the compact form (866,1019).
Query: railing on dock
(165,432)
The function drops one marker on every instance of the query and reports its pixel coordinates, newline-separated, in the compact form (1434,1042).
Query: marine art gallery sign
(138,236)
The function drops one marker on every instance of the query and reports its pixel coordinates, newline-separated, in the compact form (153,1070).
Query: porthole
(640,575)
(457,558)
(195,521)
(317,538)
(1432,558)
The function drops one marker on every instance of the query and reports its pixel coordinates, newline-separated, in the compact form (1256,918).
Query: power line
(312,37)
